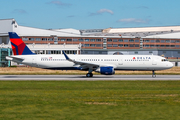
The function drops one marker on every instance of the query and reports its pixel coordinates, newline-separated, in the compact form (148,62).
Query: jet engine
(107,70)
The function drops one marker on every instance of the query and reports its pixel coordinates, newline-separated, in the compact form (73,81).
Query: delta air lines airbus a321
(104,64)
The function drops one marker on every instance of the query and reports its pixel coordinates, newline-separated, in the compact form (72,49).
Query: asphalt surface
(82,77)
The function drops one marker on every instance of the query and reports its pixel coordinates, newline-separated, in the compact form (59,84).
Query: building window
(69,40)
(70,52)
(98,45)
(75,40)
(162,41)
(172,45)
(146,46)
(63,39)
(115,40)
(131,40)
(152,46)
(177,41)
(167,45)
(136,45)
(44,39)
(126,40)
(86,45)
(38,39)
(115,45)
(92,45)
(146,41)
(131,45)
(92,40)
(167,41)
(86,40)
(152,41)
(120,45)
(50,39)
(136,40)
(31,39)
(126,45)
(157,45)
(81,40)
(98,40)
(109,40)
(162,45)
(25,39)
(177,45)
(173,41)
(120,40)
(109,45)
(157,41)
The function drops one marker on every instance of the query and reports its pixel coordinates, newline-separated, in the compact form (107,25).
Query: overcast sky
(91,14)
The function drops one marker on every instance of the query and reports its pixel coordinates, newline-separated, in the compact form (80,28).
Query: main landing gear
(153,74)
(89,75)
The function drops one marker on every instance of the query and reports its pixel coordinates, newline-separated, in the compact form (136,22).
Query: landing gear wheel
(89,75)
(153,74)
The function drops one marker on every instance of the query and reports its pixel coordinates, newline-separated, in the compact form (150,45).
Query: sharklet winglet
(67,58)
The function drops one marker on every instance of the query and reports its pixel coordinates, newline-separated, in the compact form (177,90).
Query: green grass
(90,100)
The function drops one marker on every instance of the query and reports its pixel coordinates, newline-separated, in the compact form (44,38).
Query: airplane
(104,64)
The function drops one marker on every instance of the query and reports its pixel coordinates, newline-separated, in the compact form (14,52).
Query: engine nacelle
(108,70)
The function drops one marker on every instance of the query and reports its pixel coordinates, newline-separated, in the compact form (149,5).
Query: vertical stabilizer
(18,46)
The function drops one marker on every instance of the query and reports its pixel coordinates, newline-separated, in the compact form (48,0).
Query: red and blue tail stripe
(18,46)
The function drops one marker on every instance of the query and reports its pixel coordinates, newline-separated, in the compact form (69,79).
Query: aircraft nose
(170,65)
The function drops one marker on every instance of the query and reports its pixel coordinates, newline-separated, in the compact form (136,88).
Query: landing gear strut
(89,75)
(153,74)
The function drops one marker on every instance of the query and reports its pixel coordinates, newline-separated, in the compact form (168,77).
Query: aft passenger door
(34,63)
(120,61)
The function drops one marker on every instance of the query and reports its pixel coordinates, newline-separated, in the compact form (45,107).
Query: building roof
(166,36)
(68,30)
(144,29)
(10,25)
(143,32)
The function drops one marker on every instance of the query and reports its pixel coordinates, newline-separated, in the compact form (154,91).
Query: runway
(82,77)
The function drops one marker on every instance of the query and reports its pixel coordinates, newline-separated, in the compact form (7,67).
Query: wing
(83,65)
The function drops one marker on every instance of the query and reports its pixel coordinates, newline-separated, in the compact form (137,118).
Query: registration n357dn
(104,64)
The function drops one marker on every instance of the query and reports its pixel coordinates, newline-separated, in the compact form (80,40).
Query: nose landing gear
(153,74)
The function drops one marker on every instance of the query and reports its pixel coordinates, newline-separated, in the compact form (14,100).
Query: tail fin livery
(18,46)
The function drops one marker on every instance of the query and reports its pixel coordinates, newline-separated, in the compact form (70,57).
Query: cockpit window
(164,60)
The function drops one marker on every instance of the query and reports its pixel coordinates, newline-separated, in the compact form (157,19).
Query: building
(148,40)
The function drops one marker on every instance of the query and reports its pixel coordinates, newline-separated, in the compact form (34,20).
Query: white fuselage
(118,62)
